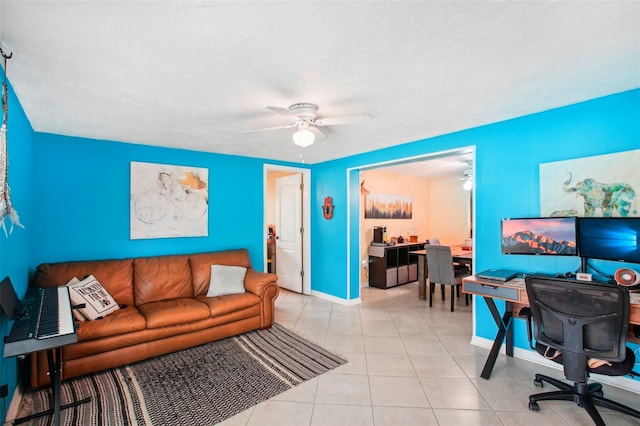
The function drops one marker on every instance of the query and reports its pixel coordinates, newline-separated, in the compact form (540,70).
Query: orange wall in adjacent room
(440,209)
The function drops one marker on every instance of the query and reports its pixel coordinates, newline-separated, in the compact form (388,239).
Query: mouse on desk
(568,275)
(565,275)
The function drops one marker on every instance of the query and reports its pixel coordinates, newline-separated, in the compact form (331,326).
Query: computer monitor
(539,236)
(8,298)
(609,238)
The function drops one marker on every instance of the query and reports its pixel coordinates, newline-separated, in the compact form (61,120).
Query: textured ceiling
(458,164)
(196,75)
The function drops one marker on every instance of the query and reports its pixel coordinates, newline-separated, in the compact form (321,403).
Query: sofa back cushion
(160,278)
(116,276)
(201,266)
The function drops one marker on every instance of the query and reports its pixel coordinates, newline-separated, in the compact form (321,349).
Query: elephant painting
(611,198)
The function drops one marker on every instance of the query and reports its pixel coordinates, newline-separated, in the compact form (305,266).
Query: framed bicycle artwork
(168,201)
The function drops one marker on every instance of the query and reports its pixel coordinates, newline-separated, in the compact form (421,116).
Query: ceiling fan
(304,117)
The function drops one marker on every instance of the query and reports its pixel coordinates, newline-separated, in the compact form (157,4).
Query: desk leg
(509,337)
(504,330)
(422,279)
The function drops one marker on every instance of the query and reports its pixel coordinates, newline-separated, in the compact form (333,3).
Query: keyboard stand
(22,341)
(54,358)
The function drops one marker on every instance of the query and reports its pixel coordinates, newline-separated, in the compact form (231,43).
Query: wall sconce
(468,182)
(327,208)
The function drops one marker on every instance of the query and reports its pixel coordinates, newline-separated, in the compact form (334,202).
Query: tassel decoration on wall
(6,208)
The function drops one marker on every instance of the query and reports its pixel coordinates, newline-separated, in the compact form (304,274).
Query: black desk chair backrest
(582,320)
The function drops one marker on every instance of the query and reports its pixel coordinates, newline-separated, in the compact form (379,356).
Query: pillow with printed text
(97,301)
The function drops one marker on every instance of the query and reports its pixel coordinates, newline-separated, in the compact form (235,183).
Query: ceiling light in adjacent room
(467,185)
(468,182)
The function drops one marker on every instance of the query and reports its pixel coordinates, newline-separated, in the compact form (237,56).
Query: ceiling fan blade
(319,134)
(288,126)
(342,119)
(284,112)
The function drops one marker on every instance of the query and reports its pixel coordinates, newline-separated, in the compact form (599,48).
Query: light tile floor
(409,364)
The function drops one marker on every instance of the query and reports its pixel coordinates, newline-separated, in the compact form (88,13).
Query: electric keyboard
(45,322)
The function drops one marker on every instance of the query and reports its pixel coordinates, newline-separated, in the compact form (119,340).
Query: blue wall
(81,201)
(14,250)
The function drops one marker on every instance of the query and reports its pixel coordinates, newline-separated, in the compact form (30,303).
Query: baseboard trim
(621,382)
(335,299)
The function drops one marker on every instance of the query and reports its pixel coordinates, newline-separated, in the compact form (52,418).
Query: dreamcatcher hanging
(6,208)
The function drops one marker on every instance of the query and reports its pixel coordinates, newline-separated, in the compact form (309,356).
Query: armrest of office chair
(525,313)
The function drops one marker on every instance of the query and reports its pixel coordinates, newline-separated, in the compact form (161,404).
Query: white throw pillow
(226,280)
(97,300)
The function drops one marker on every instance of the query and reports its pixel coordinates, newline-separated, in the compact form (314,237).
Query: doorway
(287,226)
(445,173)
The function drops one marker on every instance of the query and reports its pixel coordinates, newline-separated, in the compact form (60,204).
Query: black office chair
(442,271)
(579,325)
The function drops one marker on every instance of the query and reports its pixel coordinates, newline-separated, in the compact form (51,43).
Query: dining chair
(434,241)
(441,271)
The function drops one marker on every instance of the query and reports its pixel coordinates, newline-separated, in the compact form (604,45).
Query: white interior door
(289,232)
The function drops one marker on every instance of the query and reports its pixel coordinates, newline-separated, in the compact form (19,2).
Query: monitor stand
(583,265)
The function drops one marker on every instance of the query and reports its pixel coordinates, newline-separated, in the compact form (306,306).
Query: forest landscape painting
(387,206)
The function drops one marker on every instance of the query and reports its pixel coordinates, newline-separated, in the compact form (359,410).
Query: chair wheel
(533,406)
(537,383)
(599,394)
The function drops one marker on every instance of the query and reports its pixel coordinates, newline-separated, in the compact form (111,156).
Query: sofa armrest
(265,286)
(256,282)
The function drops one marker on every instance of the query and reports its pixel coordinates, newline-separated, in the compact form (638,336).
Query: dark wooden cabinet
(271,256)
(390,266)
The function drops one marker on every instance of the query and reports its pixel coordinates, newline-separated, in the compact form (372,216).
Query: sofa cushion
(161,278)
(122,321)
(96,299)
(201,266)
(222,305)
(226,280)
(116,276)
(172,312)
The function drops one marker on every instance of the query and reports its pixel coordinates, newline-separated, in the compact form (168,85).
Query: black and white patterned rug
(197,386)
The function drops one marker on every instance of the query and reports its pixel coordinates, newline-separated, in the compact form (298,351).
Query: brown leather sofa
(164,308)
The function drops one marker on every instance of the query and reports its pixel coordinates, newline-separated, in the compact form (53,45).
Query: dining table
(460,254)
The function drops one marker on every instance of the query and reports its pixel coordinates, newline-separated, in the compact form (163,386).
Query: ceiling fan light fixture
(303,137)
